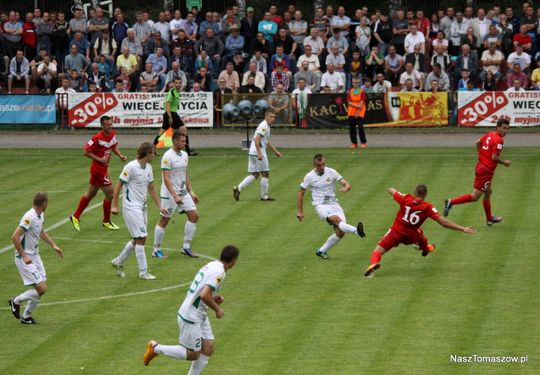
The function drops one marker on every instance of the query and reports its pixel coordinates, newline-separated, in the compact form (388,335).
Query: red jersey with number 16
(490,144)
(101,145)
(412,214)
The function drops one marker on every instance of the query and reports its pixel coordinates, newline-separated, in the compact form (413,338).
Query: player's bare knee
(41,288)
(193,216)
(192,356)
(265,174)
(339,232)
(256,175)
(163,221)
(208,348)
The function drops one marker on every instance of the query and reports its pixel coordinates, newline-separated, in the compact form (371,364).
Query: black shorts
(177,121)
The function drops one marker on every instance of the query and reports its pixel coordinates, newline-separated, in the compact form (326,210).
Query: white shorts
(33,273)
(333,209)
(170,205)
(136,222)
(256,165)
(192,334)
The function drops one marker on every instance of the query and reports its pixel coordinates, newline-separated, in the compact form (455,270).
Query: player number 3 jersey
(193,309)
(322,186)
(32,223)
(412,214)
(135,181)
(177,163)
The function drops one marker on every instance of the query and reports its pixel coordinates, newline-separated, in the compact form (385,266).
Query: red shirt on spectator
(29,36)
(522,39)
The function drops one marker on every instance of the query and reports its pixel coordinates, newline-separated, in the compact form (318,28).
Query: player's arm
(451,225)
(117,152)
(300,204)
(345,186)
(155,197)
(274,149)
(169,186)
(258,146)
(16,238)
(45,237)
(116,197)
(208,299)
(478,144)
(190,190)
(392,191)
(497,159)
(93,156)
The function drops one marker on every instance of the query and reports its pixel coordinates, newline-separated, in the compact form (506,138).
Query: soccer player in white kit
(321,181)
(176,195)
(258,160)
(26,242)
(196,337)
(136,181)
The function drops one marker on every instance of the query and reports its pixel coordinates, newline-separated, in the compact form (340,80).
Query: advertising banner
(27,109)
(392,109)
(486,108)
(138,110)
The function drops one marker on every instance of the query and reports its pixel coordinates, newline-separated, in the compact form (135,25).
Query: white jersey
(177,163)
(135,181)
(263,130)
(322,186)
(193,309)
(32,223)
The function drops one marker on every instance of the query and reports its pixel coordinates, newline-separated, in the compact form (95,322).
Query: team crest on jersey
(125,174)
(263,129)
(165,162)
(218,280)
(328,179)
(26,221)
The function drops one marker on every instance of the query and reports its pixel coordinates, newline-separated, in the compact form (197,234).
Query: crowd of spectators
(282,51)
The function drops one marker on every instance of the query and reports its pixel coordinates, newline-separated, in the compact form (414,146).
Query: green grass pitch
(286,311)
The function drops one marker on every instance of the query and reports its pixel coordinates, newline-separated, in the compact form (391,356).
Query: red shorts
(394,239)
(99,177)
(483,177)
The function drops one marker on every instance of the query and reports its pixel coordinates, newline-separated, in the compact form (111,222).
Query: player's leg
(83,203)
(118,262)
(190,339)
(164,126)
(159,230)
(252,176)
(490,218)
(424,245)
(206,351)
(465,198)
(389,241)
(141,259)
(339,221)
(352,132)
(190,227)
(108,190)
(265,184)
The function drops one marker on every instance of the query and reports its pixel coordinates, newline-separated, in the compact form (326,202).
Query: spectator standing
(119,29)
(400,28)
(268,27)
(29,37)
(298,29)
(383,33)
(249,26)
(341,22)
(356,104)
(78,23)
(163,27)
(190,27)
(142,29)
(97,25)
(44,31)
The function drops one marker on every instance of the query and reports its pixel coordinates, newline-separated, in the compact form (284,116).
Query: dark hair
(145,149)
(421,191)
(103,119)
(503,121)
(40,198)
(318,157)
(229,253)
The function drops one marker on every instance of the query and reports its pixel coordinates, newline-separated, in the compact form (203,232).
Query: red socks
(106,211)
(375,257)
(463,199)
(487,208)
(83,203)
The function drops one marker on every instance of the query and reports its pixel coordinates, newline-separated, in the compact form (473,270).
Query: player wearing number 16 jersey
(413,211)
(99,149)
(489,156)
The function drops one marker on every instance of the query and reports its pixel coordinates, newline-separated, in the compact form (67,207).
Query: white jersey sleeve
(33,226)
(263,131)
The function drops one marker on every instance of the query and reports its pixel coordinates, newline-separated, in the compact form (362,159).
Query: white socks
(141,258)
(248,180)
(189,232)
(159,233)
(331,241)
(32,304)
(174,351)
(128,249)
(347,228)
(30,294)
(264,187)
(198,366)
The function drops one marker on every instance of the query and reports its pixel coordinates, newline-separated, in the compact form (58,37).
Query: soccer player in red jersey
(413,211)
(489,155)
(99,149)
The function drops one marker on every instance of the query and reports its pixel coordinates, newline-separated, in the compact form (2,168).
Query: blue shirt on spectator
(158,63)
(233,43)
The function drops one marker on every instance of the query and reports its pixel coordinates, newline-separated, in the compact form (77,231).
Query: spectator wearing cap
(338,39)
(233,43)
(189,26)
(249,26)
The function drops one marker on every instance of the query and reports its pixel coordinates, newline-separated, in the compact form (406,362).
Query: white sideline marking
(92,299)
(54,226)
(123,243)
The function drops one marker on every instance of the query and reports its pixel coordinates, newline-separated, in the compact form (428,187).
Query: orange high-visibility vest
(357,99)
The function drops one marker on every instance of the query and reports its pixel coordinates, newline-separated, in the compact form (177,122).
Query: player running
(99,149)
(27,259)
(413,211)
(136,181)
(321,181)
(258,160)
(489,155)
(176,195)
(196,337)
